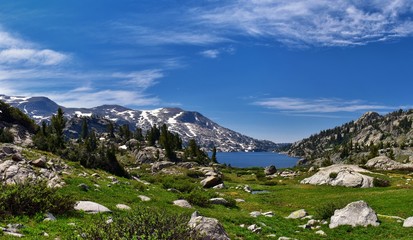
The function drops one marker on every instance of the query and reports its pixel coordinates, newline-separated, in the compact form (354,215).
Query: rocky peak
(368,118)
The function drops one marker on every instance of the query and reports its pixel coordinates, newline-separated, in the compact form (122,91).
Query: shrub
(378,182)
(181,184)
(199,197)
(333,175)
(141,223)
(6,136)
(327,210)
(32,198)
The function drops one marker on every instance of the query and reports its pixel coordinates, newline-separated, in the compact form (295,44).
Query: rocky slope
(189,125)
(371,135)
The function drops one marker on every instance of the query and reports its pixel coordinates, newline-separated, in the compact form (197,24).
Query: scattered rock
(218,201)
(209,228)
(408,222)
(49,217)
(13,230)
(188,165)
(297,214)
(254,228)
(144,198)
(219,186)
(41,162)
(255,214)
(321,233)
(270,170)
(182,203)
(91,207)
(268,214)
(247,189)
(95,175)
(312,169)
(354,214)
(341,175)
(211,181)
(113,179)
(17,157)
(8,150)
(158,166)
(239,200)
(123,207)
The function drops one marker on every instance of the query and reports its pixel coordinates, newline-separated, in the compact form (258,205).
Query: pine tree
(58,124)
(85,129)
(214,155)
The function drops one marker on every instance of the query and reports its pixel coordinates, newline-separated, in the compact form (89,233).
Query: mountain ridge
(357,141)
(188,124)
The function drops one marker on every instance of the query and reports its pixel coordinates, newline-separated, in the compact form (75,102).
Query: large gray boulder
(297,214)
(91,207)
(341,175)
(208,228)
(385,163)
(211,181)
(270,170)
(354,214)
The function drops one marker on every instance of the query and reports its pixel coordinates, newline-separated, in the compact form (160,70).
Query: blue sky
(272,69)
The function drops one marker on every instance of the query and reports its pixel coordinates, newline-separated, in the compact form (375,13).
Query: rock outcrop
(354,214)
(18,169)
(158,166)
(385,163)
(341,175)
(208,228)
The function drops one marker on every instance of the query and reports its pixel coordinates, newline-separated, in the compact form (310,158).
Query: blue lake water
(256,159)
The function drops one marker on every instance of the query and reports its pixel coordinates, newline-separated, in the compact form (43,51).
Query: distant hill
(356,141)
(188,124)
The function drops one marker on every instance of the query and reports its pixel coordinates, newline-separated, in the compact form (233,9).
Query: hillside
(188,124)
(371,135)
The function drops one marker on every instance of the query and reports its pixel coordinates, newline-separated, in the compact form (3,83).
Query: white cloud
(321,105)
(212,53)
(313,23)
(92,98)
(43,57)
(141,79)
(135,34)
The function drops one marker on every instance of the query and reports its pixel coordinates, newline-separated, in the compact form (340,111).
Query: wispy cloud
(212,53)
(147,36)
(17,52)
(22,61)
(319,106)
(43,57)
(313,23)
(92,98)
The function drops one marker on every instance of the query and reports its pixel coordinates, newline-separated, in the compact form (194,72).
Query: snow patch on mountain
(189,125)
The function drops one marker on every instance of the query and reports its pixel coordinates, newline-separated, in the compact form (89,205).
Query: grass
(283,197)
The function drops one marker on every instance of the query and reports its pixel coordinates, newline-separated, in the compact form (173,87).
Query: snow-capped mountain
(189,125)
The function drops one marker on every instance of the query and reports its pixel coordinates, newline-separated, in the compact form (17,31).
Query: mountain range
(188,124)
(357,141)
